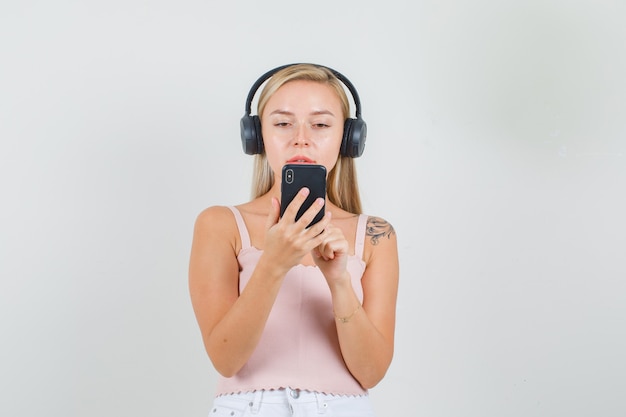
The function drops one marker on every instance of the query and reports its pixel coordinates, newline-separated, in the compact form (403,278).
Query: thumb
(274,214)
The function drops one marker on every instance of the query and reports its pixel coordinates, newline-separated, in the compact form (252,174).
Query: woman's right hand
(288,240)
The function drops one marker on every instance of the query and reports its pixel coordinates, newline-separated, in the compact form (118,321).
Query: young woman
(297,320)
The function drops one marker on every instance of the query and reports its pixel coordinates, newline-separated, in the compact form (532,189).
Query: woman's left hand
(331,256)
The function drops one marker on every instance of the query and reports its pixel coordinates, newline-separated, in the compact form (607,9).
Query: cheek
(335,142)
(330,157)
(273,158)
(273,154)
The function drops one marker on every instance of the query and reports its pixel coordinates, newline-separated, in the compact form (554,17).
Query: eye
(320,125)
(281,124)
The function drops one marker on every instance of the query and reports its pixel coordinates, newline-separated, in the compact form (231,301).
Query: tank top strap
(359,242)
(241,225)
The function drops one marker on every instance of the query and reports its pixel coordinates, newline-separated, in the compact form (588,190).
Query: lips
(300,159)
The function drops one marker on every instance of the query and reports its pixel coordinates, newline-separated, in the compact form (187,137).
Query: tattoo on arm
(378,228)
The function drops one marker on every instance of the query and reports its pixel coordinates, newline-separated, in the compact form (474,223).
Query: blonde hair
(342,186)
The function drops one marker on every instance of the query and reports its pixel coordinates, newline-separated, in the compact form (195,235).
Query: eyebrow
(315,113)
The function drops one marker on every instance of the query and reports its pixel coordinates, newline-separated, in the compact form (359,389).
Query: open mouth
(300,160)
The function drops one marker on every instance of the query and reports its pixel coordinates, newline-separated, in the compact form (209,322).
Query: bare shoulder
(214,215)
(380,240)
(379,231)
(216,224)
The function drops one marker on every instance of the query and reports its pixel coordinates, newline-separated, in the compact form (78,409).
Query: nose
(301,138)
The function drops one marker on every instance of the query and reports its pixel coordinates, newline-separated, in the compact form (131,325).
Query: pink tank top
(299,347)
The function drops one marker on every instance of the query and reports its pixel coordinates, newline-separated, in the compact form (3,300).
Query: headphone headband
(355,130)
(268,74)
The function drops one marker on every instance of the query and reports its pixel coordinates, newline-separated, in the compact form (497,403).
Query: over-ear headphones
(354,129)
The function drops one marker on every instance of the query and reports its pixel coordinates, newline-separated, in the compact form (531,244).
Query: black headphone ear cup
(251,138)
(354,134)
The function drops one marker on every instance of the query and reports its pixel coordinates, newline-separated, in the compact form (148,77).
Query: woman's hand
(288,240)
(331,255)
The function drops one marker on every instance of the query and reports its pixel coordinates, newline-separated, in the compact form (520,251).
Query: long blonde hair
(342,186)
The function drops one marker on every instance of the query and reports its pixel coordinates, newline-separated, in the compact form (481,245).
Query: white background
(496,148)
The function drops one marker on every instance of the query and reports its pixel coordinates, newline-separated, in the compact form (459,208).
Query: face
(302,123)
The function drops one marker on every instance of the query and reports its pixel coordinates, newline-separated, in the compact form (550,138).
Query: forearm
(232,341)
(366,351)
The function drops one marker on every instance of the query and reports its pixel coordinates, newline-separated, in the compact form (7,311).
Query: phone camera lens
(289,176)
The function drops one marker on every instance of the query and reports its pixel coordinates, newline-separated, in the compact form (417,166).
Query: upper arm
(381,276)
(213,267)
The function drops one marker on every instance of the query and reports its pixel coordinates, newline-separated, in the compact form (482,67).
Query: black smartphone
(296,176)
